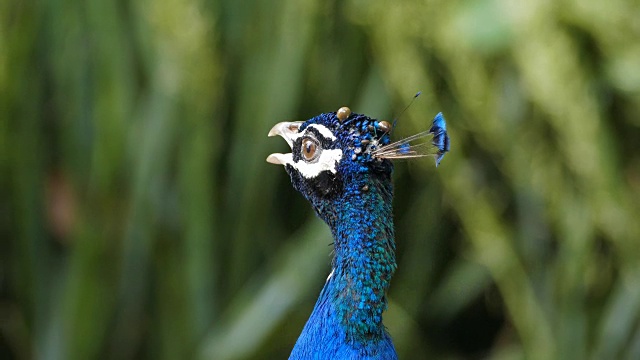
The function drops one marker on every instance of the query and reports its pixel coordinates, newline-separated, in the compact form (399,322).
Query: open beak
(289,132)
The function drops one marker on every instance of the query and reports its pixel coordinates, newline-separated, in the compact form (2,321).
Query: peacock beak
(289,132)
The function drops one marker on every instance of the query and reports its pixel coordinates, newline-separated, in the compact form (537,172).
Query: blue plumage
(341,163)
(440,137)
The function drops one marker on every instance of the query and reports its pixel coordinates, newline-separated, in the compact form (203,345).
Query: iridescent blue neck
(364,259)
(347,318)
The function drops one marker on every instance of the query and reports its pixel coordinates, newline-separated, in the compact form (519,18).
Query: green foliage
(140,220)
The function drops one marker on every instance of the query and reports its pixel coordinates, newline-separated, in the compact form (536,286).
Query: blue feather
(405,149)
(440,137)
(346,322)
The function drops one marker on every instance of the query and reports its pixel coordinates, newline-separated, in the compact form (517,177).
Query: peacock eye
(309,149)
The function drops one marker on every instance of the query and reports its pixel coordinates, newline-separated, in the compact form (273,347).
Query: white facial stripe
(329,158)
(328,161)
(326,133)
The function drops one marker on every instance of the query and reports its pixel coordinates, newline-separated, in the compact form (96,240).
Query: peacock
(341,163)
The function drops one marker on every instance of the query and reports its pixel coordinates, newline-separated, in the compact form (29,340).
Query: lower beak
(289,132)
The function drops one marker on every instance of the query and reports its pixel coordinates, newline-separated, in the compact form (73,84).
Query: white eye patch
(327,159)
(326,133)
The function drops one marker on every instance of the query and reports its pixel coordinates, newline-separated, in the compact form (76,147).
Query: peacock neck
(364,260)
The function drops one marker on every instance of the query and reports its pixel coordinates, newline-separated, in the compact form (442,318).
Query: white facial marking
(326,133)
(327,161)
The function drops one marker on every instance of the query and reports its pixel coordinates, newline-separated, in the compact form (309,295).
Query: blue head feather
(440,137)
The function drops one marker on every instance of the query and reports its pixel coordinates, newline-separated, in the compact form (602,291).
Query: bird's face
(341,153)
(331,151)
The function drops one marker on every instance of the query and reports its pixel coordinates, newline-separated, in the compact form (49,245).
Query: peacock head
(344,152)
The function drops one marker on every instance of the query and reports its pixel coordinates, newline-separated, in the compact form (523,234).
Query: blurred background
(139,219)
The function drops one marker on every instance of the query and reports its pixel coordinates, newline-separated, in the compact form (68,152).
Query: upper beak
(289,132)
